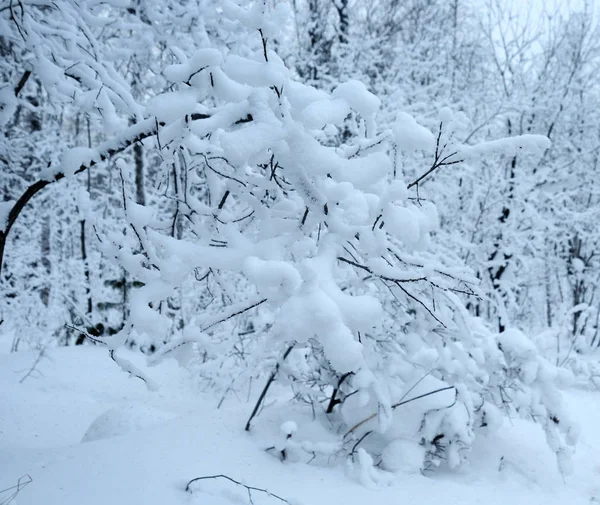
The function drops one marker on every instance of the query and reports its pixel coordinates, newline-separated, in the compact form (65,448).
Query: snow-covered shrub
(327,245)
(289,252)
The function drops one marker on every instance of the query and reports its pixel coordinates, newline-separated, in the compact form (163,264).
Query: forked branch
(438,160)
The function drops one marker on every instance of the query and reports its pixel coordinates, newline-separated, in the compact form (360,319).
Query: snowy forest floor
(151,444)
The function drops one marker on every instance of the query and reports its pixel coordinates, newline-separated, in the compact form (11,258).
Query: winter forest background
(377,219)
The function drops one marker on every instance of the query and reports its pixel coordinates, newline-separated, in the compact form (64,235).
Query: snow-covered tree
(287,230)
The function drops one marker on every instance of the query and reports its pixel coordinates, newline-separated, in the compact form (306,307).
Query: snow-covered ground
(87,434)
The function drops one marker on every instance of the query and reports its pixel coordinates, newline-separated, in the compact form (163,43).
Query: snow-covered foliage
(324,242)
(268,224)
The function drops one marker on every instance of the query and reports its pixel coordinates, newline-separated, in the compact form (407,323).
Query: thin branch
(367,269)
(223,200)
(188,487)
(220,173)
(266,388)
(184,341)
(437,164)
(21,483)
(335,401)
(396,405)
(264,44)
(22,82)
(424,395)
(410,295)
(354,447)
(229,316)
(40,355)
(86,335)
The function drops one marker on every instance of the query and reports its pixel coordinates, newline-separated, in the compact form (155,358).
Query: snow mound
(124,419)
(404,456)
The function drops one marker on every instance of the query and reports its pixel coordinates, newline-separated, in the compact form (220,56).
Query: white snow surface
(403,456)
(152,444)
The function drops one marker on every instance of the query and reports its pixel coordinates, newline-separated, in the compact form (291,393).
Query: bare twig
(22,82)
(397,282)
(410,295)
(266,388)
(437,164)
(210,167)
(447,388)
(438,161)
(16,489)
(264,44)
(396,405)
(335,401)
(385,278)
(229,316)
(40,355)
(355,446)
(188,487)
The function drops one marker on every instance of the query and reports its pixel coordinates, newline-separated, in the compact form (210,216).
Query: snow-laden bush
(287,251)
(330,248)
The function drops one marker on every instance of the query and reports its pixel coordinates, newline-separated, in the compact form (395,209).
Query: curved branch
(106,150)
(249,489)
(135,133)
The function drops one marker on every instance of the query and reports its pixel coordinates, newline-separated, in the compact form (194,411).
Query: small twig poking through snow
(21,483)
(189,489)
(355,446)
(40,355)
